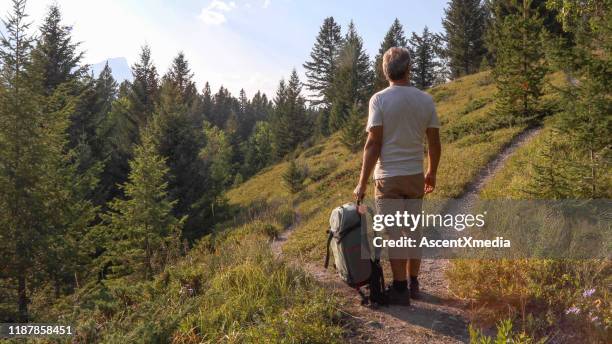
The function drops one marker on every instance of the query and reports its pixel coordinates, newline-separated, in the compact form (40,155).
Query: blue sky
(248,44)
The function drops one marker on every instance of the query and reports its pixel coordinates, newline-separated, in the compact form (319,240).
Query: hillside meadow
(231,288)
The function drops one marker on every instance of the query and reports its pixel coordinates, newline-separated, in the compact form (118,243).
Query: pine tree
(465,22)
(551,171)
(43,215)
(519,69)
(224,104)
(294,177)
(353,132)
(394,38)
(321,69)
(180,142)
(19,175)
(143,92)
(354,79)
(246,117)
(65,87)
(425,62)
(119,134)
(55,57)
(497,10)
(585,121)
(181,78)
(141,231)
(290,125)
(262,107)
(88,131)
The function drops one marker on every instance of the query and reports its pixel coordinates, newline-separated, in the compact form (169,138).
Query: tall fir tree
(88,133)
(181,78)
(207,102)
(395,37)
(520,67)
(105,143)
(64,86)
(354,79)
(56,57)
(321,69)
(465,22)
(43,214)
(224,104)
(262,107)
(585,121)
(425,62)
(246,117)
(141,232)
(20,112)
(180,142)
(290,125)
(143,92)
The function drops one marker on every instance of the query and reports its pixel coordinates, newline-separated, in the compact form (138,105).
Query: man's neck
(403,82)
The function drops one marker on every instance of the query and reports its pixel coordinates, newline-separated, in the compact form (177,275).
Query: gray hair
(396,63)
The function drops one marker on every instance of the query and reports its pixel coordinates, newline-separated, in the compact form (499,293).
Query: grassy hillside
(568,300)
(230,288)
(471,136)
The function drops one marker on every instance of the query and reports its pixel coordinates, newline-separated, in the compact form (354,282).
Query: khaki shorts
(403,194)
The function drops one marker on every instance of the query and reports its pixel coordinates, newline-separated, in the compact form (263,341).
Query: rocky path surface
(437,317)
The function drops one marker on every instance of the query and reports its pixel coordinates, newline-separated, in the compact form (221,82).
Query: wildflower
(594,319)
(588,292)
(572,310)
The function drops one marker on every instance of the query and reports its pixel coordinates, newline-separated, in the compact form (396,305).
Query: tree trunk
(22,297)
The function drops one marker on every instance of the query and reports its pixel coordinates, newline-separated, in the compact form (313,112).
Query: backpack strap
(329,238)
(377,284)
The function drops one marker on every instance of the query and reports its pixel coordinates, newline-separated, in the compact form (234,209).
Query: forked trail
(437,317)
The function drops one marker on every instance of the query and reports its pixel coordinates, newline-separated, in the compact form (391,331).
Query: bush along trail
(437,317)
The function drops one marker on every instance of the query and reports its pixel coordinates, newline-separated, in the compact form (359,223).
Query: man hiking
(400,117)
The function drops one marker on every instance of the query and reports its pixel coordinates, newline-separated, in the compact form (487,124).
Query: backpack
(347,237)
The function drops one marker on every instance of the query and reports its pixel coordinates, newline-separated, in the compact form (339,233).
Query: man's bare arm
(371,152)
(434,150)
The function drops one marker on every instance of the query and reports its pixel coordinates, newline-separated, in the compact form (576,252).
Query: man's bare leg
(398,268)
(414,266)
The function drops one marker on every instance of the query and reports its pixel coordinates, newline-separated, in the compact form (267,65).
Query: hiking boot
(414,290)
(395,297)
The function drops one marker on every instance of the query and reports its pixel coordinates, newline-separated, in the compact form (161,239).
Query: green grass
(536,293)
(229,288)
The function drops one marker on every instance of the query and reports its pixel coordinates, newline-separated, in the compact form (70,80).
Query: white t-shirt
(405,113)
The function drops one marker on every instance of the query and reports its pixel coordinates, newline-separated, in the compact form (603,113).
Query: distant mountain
(119,66)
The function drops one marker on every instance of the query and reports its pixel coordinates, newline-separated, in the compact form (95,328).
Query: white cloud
(211,17)
(267,3)
(213,13)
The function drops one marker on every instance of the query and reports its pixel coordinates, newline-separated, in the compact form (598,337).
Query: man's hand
(430,182)
(360,191)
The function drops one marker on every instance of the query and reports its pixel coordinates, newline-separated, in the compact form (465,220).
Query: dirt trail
(437,317)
